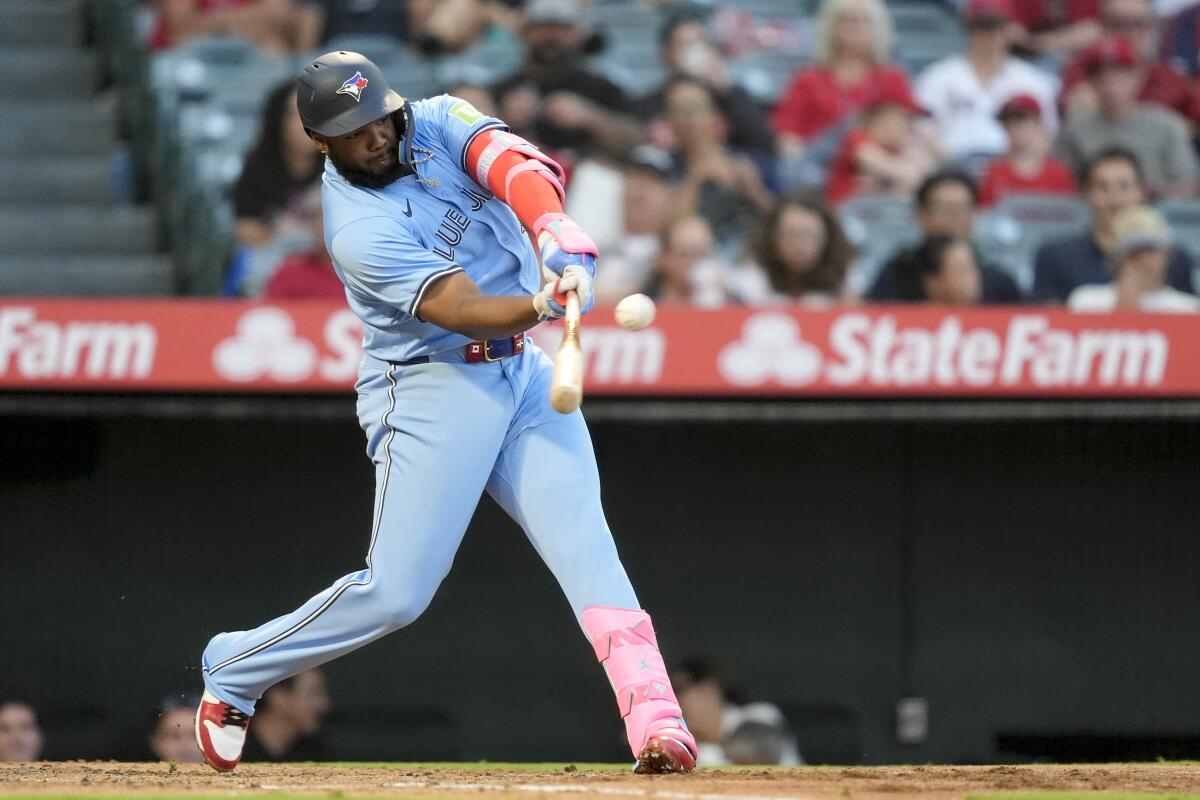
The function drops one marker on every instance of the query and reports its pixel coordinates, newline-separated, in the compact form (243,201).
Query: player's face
(369,156)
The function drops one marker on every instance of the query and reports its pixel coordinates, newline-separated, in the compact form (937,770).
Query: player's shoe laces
(220,733)
(669,749)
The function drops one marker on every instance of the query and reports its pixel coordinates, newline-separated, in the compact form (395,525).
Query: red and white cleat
(220,733)
(666,751)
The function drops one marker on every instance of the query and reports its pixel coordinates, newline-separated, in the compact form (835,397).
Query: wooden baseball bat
(566,388)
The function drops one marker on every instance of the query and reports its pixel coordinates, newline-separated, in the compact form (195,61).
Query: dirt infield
(863,783)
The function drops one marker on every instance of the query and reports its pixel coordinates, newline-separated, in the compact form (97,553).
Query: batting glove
(563,244)
(551,301)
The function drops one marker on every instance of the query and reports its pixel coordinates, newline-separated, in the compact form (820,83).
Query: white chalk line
(541,788)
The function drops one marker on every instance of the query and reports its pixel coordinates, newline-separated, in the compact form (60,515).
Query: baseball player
(449,234)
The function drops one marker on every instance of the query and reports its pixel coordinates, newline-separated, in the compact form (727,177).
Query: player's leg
(433,431)
(546,478)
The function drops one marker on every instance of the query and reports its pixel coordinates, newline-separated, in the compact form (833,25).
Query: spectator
(287,720)
(280,169)
(964,92)
(20,734)
(947,270)
(277,26)
(1058,28)
(449,26)
(1111,182)
(1028,167)
(353,17)
(688,271)
(1180,36)
(307,274)
(854,40)
(946,203)
(688,50)
(724,187)
(553,100)
(283,164)
(477,94)
(173,731)
(1158,83)
(802,253)
(728,730)
(1158,136)
(885,154)
(628,253)
(1141,251)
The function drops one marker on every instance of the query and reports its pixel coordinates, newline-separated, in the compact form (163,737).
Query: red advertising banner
(226,346)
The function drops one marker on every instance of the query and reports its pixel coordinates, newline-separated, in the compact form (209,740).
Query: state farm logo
(106,350)
(1022,350)
(770,349)
(612,355)
(266,345)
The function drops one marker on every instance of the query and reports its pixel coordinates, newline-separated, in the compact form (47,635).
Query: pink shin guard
(626,647)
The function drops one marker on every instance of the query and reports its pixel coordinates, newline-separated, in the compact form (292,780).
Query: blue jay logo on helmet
(354,87)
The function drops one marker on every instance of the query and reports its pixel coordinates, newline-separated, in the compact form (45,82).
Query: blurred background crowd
(765,151)
(289,725)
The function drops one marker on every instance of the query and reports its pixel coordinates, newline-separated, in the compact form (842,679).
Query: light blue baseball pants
(439,434)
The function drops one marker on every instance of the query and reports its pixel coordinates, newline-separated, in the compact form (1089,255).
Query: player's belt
(476,352)
(495,349)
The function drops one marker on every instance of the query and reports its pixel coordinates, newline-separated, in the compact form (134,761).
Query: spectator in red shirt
(885,154)
(308,274)
(1058,27)
(1028,166)
(1159,84)
(275,25)
(854,39)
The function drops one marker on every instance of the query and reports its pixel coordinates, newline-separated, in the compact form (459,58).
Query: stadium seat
(764,74)
(1010,234)
(218,65)
(98,275)
(925,32)
(380,48)
(27,228)
(878,226)
(47,73)
(1184,218)
(41,23)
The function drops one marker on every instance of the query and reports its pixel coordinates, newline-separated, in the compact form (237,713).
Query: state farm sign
(207,345)
(878,350)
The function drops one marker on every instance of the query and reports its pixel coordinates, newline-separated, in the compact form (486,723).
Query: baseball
(634,312)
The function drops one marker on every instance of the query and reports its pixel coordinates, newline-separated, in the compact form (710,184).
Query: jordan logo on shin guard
(625,645)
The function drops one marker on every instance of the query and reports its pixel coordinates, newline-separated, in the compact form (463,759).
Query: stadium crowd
(702,190)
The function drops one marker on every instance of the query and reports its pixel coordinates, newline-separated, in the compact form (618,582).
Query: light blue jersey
(390,245)
(440,431)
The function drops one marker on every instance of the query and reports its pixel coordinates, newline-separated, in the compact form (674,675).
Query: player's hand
(563,243)
(551,301)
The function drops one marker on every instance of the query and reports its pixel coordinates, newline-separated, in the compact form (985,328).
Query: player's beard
(369,179)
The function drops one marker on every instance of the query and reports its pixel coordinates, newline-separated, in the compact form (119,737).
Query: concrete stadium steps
(30,129)
(87,276)
(42,73)
(28,23)
(53,229)
(89,179)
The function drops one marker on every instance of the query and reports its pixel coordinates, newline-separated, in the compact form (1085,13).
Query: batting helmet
(341,92)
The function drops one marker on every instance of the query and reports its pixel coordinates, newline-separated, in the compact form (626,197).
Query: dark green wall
(1026,578)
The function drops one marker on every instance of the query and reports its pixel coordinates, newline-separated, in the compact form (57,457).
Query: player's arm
(456,304)
(530,182)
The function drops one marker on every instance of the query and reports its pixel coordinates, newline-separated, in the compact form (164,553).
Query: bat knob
(566,399)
